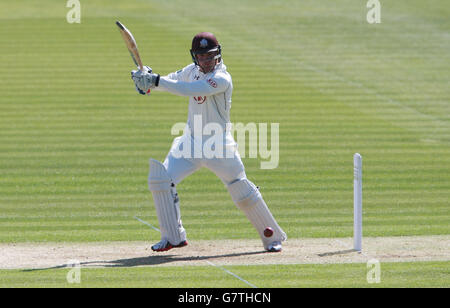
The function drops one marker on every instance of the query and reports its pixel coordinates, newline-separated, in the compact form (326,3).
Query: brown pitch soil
(224,252)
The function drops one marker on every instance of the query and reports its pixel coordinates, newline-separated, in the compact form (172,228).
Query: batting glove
(145,80)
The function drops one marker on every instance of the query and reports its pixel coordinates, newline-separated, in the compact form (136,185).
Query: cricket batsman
(209,87)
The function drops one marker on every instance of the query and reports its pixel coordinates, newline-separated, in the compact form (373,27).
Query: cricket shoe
(165,245)
(274,247)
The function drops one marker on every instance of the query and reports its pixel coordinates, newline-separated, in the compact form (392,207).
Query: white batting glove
(145,80)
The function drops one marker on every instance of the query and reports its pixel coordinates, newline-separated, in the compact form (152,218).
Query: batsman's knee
(244,192)
(158,178)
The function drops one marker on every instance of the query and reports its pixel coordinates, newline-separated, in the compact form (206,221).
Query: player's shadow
(334,253)
(148,261)
(164,259)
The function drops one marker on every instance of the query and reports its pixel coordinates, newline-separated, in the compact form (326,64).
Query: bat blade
(130,42)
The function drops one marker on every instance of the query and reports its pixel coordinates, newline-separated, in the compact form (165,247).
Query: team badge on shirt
(212,83)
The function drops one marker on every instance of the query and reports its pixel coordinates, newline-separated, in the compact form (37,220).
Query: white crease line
(210,263)
(146,223)
(234,275)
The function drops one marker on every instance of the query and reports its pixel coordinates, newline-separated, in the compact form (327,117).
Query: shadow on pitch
(334,253)
(148,261)
(165,259)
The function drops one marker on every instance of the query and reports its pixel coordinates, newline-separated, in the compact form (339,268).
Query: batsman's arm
(182,74)
(211,86)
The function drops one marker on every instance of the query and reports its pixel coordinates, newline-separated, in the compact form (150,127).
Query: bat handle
(140,65)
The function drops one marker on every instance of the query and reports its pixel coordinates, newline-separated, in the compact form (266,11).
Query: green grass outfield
(415,274)
(75,137)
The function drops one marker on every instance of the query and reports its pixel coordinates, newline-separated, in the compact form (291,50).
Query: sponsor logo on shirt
(200,99)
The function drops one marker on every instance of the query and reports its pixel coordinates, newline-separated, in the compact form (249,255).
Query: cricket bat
(131,45)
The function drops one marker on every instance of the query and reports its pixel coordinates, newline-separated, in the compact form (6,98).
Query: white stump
(357,202)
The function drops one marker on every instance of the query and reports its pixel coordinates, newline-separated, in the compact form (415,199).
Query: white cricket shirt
(209,94)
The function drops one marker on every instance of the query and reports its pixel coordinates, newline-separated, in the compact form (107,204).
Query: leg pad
(166,202)
(247,197)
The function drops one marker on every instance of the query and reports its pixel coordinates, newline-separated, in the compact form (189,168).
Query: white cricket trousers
(228,168)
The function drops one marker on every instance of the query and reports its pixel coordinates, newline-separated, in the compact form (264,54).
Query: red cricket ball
(268,232)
